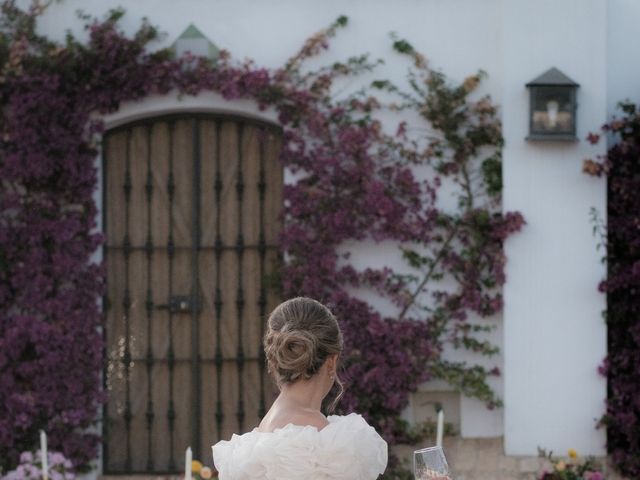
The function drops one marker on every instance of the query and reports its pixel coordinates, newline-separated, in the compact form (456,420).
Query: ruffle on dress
(346,449)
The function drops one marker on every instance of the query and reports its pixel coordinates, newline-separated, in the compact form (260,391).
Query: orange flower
(592,168)
(471,82)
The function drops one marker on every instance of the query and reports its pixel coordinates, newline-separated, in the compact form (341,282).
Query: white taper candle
(440,430)
(188,457)
(43,454)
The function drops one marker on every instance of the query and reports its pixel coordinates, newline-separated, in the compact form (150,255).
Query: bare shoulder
(298,416)
(313,418)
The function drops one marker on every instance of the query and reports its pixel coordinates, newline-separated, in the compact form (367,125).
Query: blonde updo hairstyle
(302,333)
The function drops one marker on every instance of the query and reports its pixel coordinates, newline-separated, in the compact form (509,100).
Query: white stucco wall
(623,69)
(553,334)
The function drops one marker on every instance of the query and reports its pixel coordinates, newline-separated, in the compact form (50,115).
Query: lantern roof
(552,78)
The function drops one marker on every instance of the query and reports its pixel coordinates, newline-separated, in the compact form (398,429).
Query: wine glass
(430,464)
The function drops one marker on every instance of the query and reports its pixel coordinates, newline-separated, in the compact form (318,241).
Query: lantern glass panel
(553,111)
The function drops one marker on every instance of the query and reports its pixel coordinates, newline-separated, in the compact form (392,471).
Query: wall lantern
(552,110)
(194,41)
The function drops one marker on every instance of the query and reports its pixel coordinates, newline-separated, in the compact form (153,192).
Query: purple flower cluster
(50,345)
(622,286)
(30,467)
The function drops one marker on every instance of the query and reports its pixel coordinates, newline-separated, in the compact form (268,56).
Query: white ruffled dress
(346,449)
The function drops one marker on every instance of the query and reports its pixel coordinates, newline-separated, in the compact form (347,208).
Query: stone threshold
(484,459)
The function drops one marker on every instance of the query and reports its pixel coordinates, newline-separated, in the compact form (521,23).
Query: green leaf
(414,258)
(342,21)
(492,175)
(402,46)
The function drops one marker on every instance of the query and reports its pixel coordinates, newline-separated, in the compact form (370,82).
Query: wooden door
(192,208)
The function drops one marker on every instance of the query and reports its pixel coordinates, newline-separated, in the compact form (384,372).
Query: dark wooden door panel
(192,207)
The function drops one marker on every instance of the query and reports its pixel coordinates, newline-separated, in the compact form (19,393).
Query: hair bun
(302,334)
(293,353)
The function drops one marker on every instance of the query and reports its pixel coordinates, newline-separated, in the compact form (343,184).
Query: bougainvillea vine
(355,182)
(621,165)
